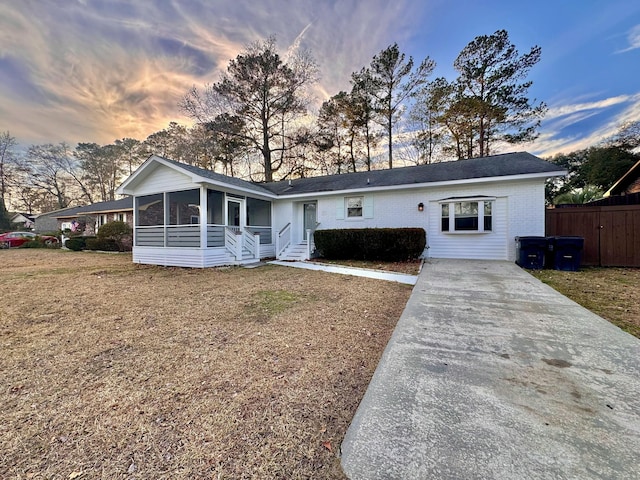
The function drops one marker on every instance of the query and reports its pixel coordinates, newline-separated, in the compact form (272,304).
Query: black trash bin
(565,253)
(530,252)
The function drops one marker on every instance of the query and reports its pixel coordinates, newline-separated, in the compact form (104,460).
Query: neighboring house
(627,184)
(187,216)
(47,222)
(90,218)
(25,220)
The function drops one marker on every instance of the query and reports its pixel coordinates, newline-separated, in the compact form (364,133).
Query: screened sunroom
(197,223)
(202,217)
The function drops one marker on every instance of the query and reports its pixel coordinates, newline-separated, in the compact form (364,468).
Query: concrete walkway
(491,374)
(358,272)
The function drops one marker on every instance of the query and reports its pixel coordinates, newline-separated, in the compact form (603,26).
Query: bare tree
(45,169)
(7,159)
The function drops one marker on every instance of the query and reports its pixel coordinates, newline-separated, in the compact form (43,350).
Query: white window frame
(451,202)
(361,207)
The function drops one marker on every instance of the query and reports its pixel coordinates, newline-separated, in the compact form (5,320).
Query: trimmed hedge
(77,243)
(390,244)
(102,244)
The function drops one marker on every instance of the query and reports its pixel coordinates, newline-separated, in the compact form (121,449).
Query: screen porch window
(259,219)
(354,207)
(215,207)
(170,219)
(184,207)
(467,216)
(150,210)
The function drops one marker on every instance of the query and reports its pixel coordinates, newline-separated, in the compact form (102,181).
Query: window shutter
(368,206)
(340,209)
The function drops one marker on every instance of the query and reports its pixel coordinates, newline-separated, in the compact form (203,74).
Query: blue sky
(96,71)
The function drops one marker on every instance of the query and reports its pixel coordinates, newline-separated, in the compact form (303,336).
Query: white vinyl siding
(164,179)
(487,245)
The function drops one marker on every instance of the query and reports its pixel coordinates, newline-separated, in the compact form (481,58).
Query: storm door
(309,218)
(234,213)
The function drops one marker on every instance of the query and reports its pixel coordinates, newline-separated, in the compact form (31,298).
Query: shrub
(390,244)
(37,243)
(102,244)
(116,231)
(75,243)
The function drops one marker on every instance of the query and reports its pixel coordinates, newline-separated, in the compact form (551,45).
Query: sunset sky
(100,70)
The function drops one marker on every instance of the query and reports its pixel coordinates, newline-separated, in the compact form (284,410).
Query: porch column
(134,216)
(203,216)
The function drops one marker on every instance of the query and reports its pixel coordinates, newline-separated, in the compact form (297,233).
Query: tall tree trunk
(368,146)
(389,131)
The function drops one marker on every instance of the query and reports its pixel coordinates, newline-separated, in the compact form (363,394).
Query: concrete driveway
(490,374)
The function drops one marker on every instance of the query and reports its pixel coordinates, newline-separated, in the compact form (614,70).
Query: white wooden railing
(233,241)
(283,240)
(311,244)
(252,242)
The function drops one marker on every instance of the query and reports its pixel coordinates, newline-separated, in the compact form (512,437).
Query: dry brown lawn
(612,293)
(113,370)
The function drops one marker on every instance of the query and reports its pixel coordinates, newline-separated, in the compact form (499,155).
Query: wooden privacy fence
(611,233)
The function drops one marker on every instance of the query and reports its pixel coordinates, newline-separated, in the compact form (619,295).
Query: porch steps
(294,253)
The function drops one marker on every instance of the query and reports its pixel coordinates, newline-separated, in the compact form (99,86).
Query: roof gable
(197,175)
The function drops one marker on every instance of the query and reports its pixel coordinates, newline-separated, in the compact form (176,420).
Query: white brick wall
(519,210)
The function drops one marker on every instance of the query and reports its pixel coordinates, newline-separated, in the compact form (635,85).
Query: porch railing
(283,240)
(264,232)
(311,244)
(215,235)
(233,241)
(150,236)
(168,236)
(183,235)
(251,242)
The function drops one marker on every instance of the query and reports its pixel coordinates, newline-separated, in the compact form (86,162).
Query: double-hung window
(354,207)
(466,215)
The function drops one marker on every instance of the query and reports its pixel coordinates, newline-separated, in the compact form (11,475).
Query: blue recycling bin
(565,253)
(530,252)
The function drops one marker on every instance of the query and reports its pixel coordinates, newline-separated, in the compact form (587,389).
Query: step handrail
(283,239)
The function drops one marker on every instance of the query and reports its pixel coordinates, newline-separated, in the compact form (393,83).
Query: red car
(17,239)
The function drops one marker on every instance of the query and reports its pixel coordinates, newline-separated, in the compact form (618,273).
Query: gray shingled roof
(110,206)
(508,164)
(218,177)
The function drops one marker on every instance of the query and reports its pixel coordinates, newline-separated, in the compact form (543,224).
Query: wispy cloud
(573,108)
(554,140)
(101,70)
(633,39)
